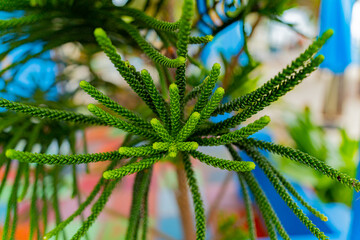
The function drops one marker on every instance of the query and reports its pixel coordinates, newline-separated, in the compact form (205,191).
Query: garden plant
(171,126)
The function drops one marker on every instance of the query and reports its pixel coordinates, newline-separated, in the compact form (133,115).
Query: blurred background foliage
(310,137)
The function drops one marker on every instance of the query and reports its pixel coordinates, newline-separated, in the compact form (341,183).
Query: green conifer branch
(160,130)
(211,104)
(268,213)
(53,159)
(96,209)
(187,146)
(138,151)
(193,39)
(149,21)
(236,135)
(206,90)
(149,50)
(111,104)
(296,195)
(303,158)
(185,28)
(22,21)
(132,168)
(195,92)
(161,146)
(283,193)
(101,183)
(180,81)
(118,123)
(125,69)
(181,44)
(198,203)
(223,163)
(157,99)
(174,109)
(52,114)
(265,101)
(279,79)
(141,185)
(189,127)
(200,40)
(249,210)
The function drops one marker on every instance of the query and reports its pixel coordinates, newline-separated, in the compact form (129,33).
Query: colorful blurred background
(321,117)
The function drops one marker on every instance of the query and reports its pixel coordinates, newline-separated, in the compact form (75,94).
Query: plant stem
(182,198)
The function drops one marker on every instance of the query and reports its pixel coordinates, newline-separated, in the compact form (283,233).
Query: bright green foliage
(106,101)
(123,68)
(237,135)
(18,22)
(150,51)
(266,99)
(158,101)
(185,27)
(131,168)
(53,159)
(149,21)
(138,151)
(209,84)
(172,132)
(211,104)
(189,127)
(304,158)
(293,192)
(249,210)
(279,80)
(198,203)
(160,130)
(222,163)
(52,114)
(118,123)
(174,108)
(280,188)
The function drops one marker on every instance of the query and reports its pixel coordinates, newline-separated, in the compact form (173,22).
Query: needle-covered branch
(198,203)
(280,79)
(131,168)
(111,104)
(118,123)
(138,151)
(53,159)
(303,158)
(283,193)
(266,100)
(149,21)
(223,163)
(236,135)
(52,114)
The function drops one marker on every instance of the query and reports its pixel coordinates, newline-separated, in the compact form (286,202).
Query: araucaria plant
(174,132)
